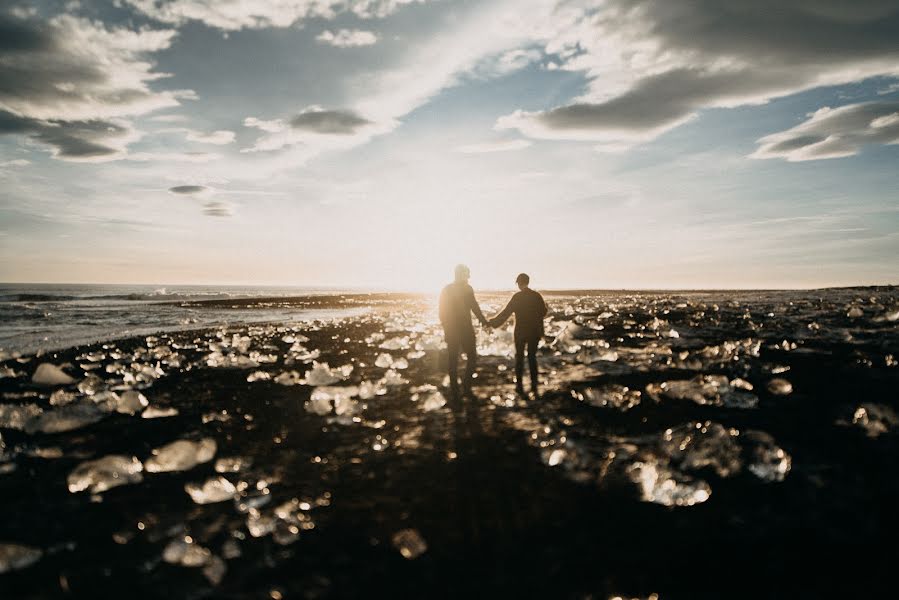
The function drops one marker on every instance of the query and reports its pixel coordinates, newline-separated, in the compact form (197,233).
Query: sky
(377,143)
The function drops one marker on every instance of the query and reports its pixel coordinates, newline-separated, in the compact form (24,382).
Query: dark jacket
(457,302)
(529,309)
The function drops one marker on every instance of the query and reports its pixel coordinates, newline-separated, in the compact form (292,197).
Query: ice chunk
(61,397)
(704,445)
(322,374)
(18,416)
(232,464)
(397,343)
(341,397)
(155,412)
(409,543)
(289,378)
(429,398)
(105,473)
(187,553)
(258,376)
(384,360)
(855,312)
(612,395)
(393,378)
(67,418)
(554,456)
(90,385)
(875,419)
(49,374)
(660,485)
(780,387)
(14,557)
(215,489)
(181,455)
(768,461)
(131,402)
(713,390)
(370,389)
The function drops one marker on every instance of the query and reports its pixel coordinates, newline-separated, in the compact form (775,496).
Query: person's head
(522,280)
(462,273)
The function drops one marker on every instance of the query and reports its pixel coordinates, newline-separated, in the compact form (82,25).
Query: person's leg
(452,367)
(471,354)
(532,362)
(519,364)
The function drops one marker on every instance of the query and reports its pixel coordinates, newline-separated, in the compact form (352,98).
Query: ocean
(43,317)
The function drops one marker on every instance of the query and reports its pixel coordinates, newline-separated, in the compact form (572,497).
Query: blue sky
(592,143)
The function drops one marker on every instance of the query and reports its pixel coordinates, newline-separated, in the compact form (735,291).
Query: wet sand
(698,488)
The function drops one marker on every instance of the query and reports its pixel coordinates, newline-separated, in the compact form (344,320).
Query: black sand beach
(685,446)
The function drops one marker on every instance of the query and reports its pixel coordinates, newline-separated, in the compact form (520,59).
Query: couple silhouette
(457,303)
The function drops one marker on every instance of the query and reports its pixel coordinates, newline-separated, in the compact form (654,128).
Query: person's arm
(503,316)
(476,309)
(543,302)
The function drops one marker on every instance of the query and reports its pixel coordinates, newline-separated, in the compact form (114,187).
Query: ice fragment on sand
(613,395)
(215,489)
(429,398)
(875,419)
(855,312)
(154,412)
(186,553)
(553,457)
(341,397)
(181,455)
(90,385)
(384,360)
(768,461)
(392,378)
(289,378)
(660,485)
(49,374)
(713,390)
(409,543)
(105,473)
(397,343)
(704,445)
(16,556)
(131,402)
(258,376)
(17,416)
(780,387)
(67,418)
(322,374)
(232,464)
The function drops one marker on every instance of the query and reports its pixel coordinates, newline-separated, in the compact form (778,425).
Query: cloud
(219,138)
(85,141)
(218,209)
(70,83)
(494,147)
(190,190)
(328,122)
(655,64)
(233,15)
(834,133)
(17,162)
(315,129)
(481,41)
(347,38)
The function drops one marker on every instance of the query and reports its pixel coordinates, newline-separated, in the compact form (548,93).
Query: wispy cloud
(834,133)
(347,38)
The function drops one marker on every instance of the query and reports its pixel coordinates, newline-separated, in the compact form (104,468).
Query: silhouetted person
(457,302)
(529,309)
